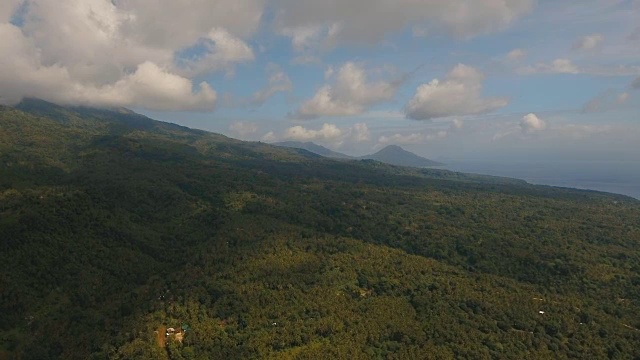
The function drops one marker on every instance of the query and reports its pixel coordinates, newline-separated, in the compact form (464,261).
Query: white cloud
(589,42)
(566,66)
(611,70)
(324,103)
(413,138)
(221,52)
(7,9)
(636,83)
(516,55)
(561,132)
(458,94)
(243,129)
(310,39)
(269,137)
(457,124)
(370,21)
(622,98)
(419,31)
(578,131)
(278,82)
(557,66)
(328,132)
(360,133)
(351,93)
(608,100)
(179,24)
(531,123)
(122,52)
(328,73)
(148,85)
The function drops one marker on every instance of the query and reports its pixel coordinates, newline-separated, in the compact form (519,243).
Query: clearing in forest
(160,336)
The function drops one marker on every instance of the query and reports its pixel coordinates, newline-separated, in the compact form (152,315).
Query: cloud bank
(369,21)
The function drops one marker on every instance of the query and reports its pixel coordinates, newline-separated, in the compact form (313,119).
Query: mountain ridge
(396,155)
(314,148)
(391,154)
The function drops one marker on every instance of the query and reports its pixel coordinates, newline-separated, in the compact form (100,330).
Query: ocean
(620,177)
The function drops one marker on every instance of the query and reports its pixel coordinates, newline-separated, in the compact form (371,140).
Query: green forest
(115,228)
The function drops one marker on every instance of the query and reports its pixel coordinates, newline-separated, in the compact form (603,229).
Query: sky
(512,80)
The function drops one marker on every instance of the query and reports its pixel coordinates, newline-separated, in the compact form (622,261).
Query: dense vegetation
(114,226)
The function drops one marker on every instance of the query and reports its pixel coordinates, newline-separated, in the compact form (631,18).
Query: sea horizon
(618,177)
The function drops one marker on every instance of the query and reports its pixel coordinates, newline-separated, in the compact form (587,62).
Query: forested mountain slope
(114,227)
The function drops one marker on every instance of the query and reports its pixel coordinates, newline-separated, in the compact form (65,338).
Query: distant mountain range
(395,155)
(314,148)
(392,154)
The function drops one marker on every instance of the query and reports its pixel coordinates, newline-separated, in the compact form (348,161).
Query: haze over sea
(620,177)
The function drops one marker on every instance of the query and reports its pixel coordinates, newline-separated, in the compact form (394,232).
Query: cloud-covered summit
(122,53)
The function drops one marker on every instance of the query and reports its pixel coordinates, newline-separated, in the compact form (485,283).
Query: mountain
(115,227)
(392,154)
(314,148)
(395,155)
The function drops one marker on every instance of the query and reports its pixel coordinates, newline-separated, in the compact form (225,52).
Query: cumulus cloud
(278,82)
(457,124)
(589,42)
(516,55)
(219,50)
(458,94)
(611,70)
(327,132)
(622,98)
(243,129)
(270,137)
(609,100)
(566,66)
(413,138)
(557,66)
(369,21)
(148,85)
(360,133)
(121,52)
(579,131)
(531,123)
(178,24)
(308,40)
(7,9)
(350,93)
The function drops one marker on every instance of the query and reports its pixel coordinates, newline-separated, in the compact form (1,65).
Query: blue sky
(499,79)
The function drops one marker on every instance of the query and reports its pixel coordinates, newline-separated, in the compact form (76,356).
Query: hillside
(115,227)
(314,148)
(395,155)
